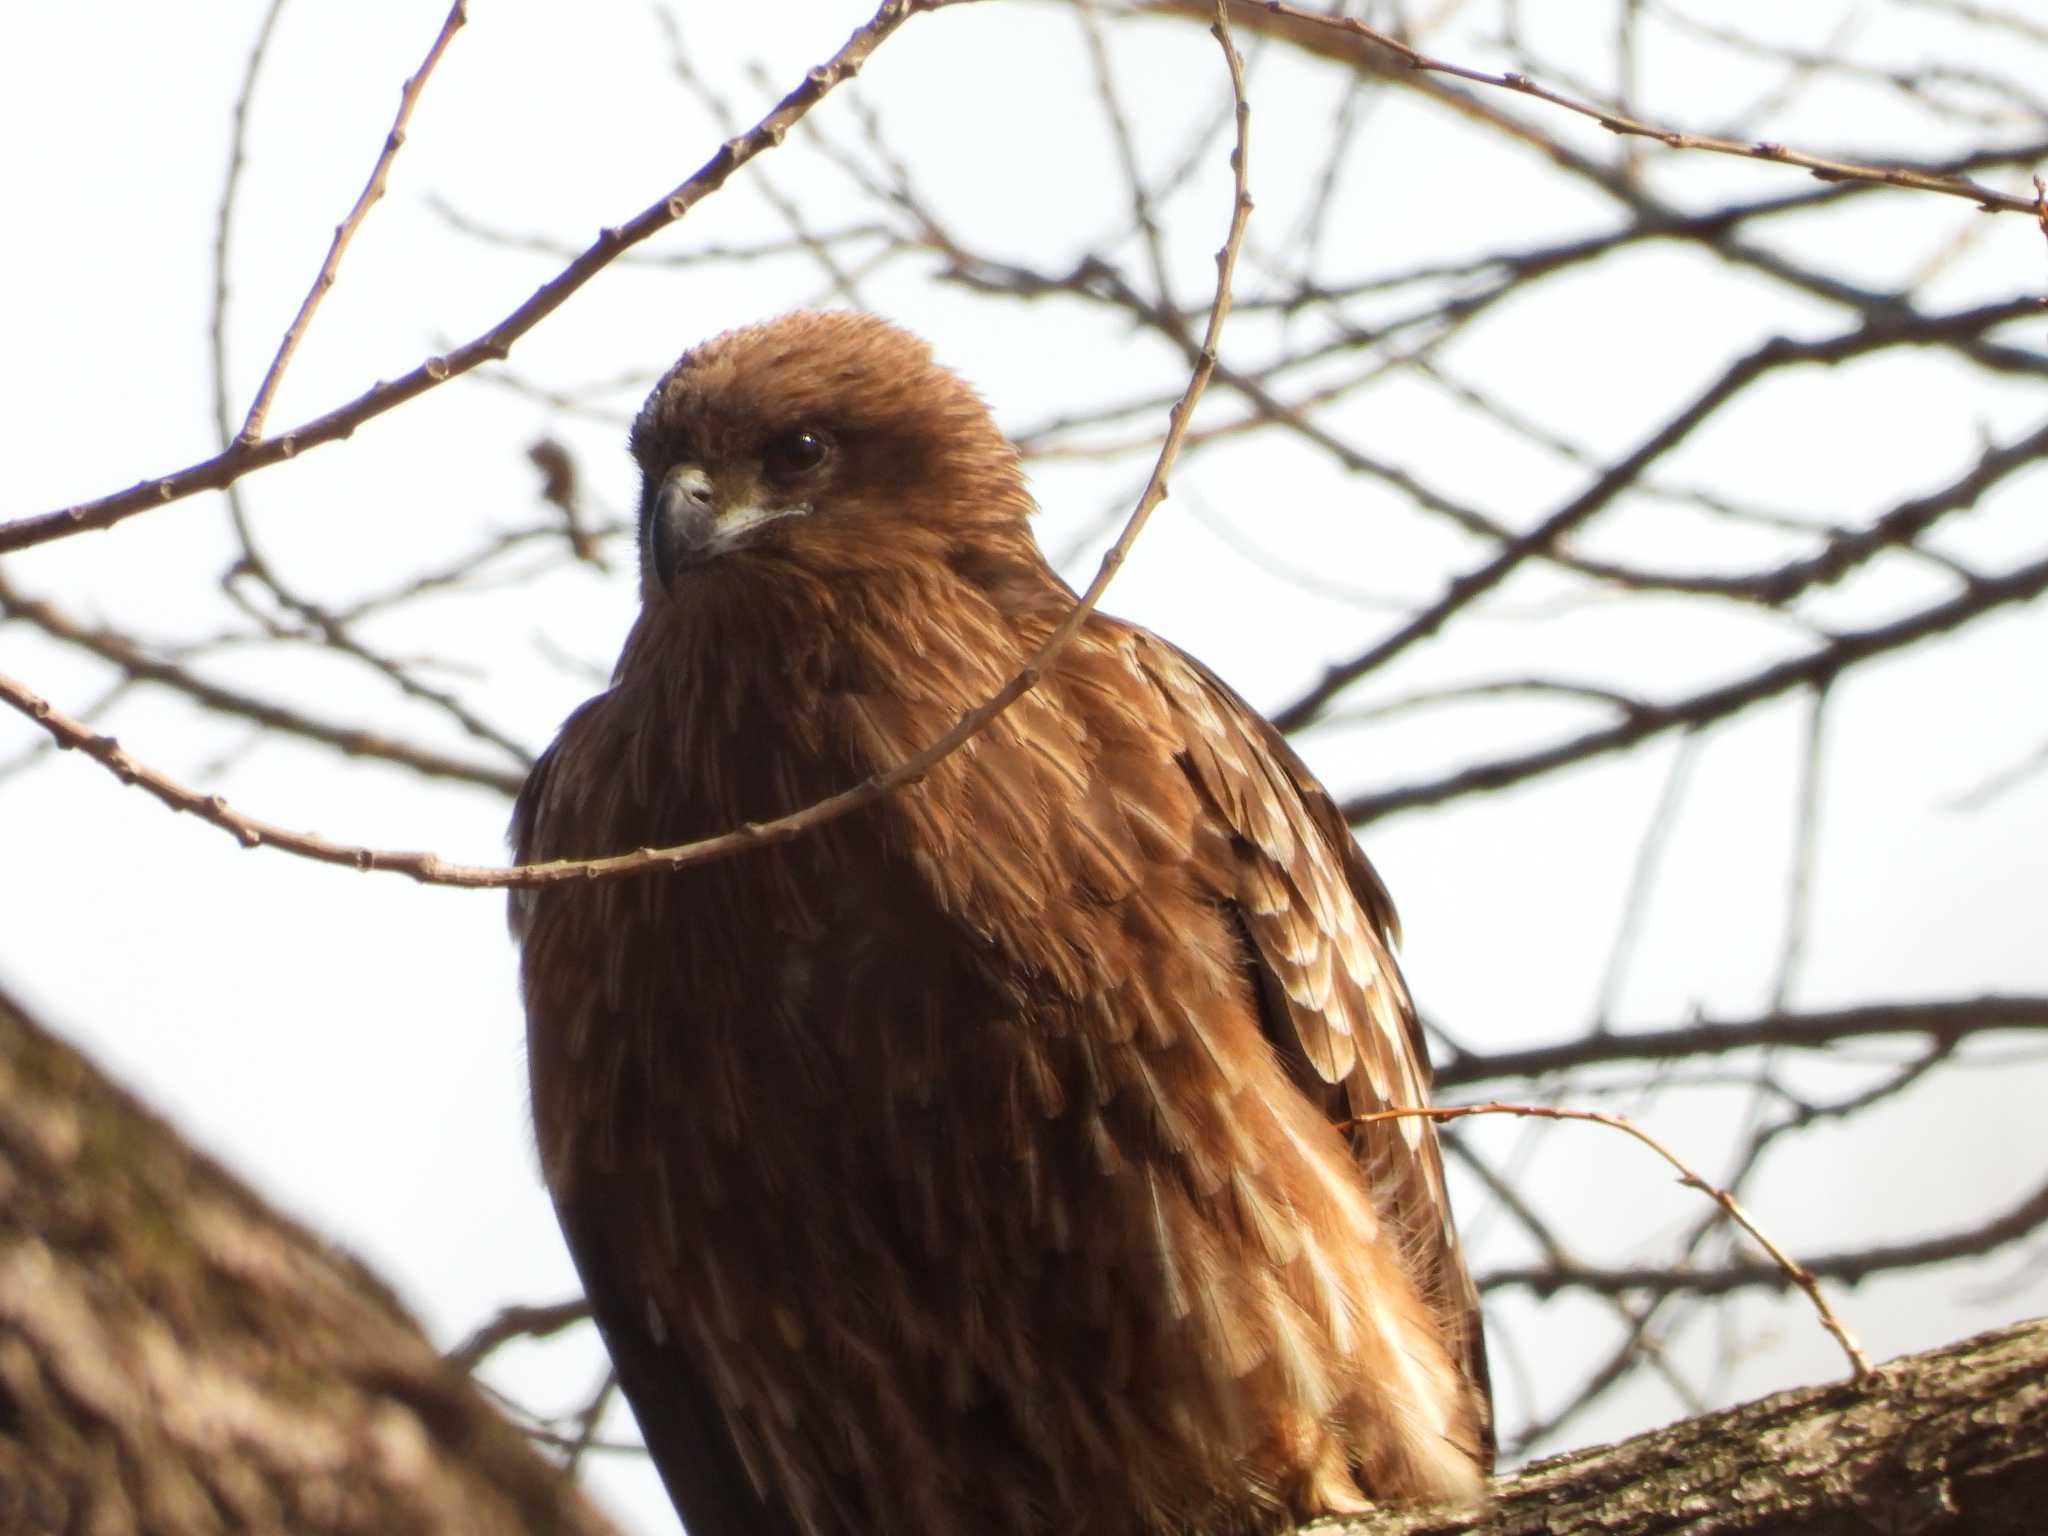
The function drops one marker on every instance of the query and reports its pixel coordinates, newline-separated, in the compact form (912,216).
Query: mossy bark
(1951,1442)
(176,1359)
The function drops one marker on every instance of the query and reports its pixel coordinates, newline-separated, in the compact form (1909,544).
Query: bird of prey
(976,1161)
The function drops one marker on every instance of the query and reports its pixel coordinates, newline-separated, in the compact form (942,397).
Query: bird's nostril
(682,522)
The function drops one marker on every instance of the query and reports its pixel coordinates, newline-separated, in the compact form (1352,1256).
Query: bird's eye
(789,455)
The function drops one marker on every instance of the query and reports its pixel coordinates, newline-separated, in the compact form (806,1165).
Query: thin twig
(587,1420)
(1987,198)
(224,220)
(1851,1266)
(1800,1276)
(787,208)
(1642,881)
(739,255)
(1943,1021)
(1805,850)
(520,1321)
(2002,782)
(1144,215)
(408,98)
(1984,595)
(141,663)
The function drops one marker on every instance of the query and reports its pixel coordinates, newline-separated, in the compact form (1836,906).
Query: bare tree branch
(495,344)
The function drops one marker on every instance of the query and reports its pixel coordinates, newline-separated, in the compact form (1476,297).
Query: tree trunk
(176,1359)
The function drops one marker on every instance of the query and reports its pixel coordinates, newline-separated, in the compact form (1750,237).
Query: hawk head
(813,437)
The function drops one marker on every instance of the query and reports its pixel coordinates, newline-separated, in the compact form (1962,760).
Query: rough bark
(176,1359)
(1952,1441)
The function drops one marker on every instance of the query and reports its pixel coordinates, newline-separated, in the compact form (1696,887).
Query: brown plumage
(968,1163)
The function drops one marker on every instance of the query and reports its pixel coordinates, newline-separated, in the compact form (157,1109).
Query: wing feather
(1320,928)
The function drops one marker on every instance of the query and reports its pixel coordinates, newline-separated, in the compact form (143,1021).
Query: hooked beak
(684,522)
(688,527)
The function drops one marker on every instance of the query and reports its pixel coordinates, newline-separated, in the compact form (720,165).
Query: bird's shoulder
(1275,846)
(555,814)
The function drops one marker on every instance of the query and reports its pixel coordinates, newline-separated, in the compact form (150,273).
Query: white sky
(353,1044)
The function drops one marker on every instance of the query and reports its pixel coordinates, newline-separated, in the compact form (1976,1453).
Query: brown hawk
(972,1162)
